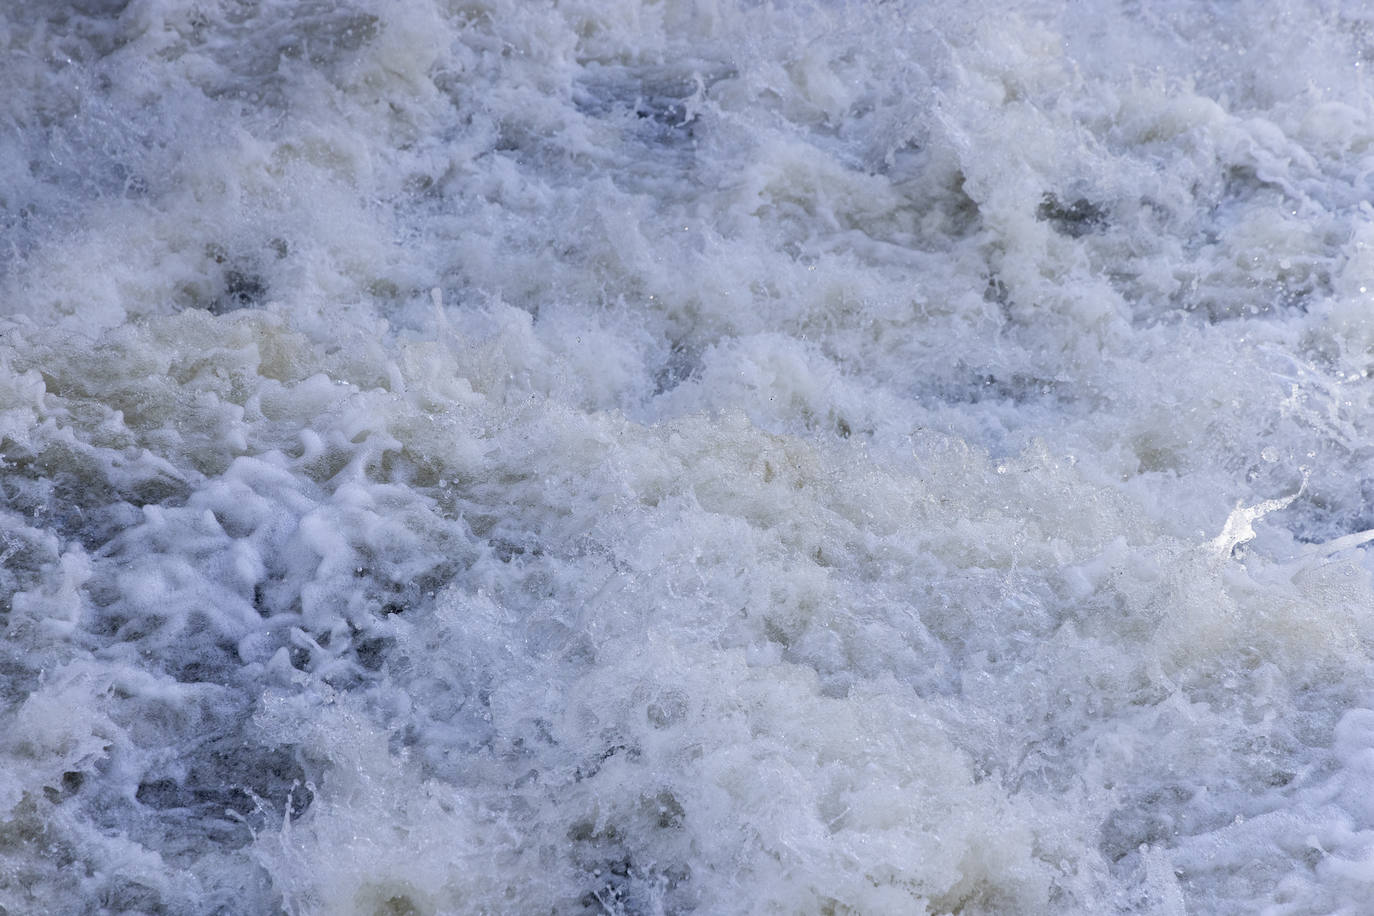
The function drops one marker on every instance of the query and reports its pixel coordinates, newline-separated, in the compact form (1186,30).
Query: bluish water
(686,456)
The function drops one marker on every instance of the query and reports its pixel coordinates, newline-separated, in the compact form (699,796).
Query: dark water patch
(658,96)
(590,768)
(1329,509)
(617,879)
(1074,218)
(653,112)
(371,653)
(66,490)
(1148,818)
(683,363)
(229,282)
(241,290)
(976,385)
(226,784)
(258,47)
(70,784)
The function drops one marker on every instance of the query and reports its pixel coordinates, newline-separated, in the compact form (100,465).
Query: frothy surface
(665,457)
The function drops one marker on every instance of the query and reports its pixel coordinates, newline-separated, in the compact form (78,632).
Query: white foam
(690,456)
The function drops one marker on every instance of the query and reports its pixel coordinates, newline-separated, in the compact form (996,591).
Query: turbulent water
(617,456)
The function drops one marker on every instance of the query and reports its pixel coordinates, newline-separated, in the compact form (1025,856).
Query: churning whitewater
(686,456)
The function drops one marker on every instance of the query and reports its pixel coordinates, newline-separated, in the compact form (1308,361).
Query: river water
(614,456)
